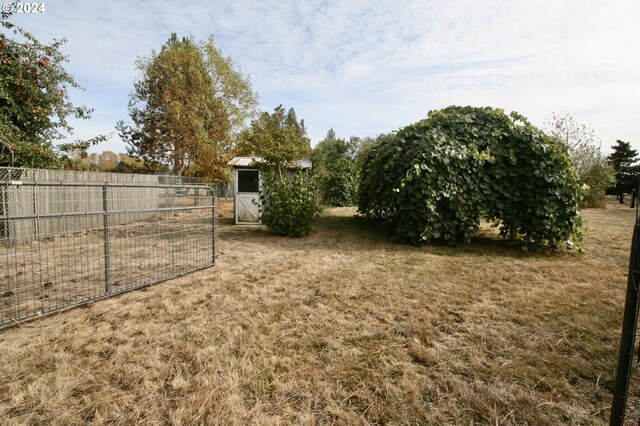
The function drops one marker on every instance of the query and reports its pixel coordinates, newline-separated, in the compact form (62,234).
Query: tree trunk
(512,232)
(621,197)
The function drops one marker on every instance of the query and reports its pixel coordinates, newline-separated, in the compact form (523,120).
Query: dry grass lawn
(341,327)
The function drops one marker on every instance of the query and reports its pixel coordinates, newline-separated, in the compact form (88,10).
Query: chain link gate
(63,244)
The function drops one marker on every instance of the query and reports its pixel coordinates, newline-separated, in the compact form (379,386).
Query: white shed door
(247,207)
(248,196)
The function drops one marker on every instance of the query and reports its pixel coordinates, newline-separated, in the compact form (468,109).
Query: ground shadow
(345,232)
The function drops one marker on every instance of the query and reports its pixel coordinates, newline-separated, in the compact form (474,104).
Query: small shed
(247,184)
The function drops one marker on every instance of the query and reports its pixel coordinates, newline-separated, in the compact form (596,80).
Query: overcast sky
(370,67)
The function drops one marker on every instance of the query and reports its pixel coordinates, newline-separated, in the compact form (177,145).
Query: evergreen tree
(335,168)
(624,160)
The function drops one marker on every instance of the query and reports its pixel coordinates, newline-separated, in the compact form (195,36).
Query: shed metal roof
(252,161)
(244,161)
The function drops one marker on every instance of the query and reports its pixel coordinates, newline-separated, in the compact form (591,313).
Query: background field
(340,327)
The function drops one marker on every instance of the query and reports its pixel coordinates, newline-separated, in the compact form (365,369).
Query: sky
(370,67)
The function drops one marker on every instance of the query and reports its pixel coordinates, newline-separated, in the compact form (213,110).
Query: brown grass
(340,327)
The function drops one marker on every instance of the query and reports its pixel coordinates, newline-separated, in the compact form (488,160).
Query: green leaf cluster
(335,169)
(289,204)
(34,100)
(278,138)
(435,179)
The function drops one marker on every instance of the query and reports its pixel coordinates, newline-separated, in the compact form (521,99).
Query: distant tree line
(107,161)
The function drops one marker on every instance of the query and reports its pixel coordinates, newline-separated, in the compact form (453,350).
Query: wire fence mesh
(66,243)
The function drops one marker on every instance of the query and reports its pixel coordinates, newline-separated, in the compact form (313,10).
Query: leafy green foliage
(187,108)
(591,164)
(288,200)
(624,160)
(598,178)
(335,169)
(435,180)
(34,99)
(289,205)
(278,138)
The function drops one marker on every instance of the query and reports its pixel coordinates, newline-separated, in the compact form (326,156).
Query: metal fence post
(36,230)
(4,211)
(107,243)
(627,339)
(213,225)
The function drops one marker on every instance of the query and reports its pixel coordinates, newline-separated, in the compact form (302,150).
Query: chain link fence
(64,243)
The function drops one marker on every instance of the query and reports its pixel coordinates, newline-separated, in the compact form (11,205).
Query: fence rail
(63,244)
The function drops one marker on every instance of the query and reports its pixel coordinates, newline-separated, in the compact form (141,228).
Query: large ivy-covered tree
(187,109)
(435,179)
(624,160)
(335,169)
(34,99)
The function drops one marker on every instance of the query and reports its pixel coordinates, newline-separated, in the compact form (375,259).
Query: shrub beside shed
(247,185)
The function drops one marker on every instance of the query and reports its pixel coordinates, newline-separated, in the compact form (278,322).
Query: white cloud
(366,67)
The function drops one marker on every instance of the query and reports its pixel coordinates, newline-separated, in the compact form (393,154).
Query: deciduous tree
(107,161)
(75,155)
(364,146)
(34,99)
(591,164)
(187,108)
(288,200)
(278,138)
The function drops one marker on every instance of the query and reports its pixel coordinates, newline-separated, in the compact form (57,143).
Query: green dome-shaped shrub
(435,179)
